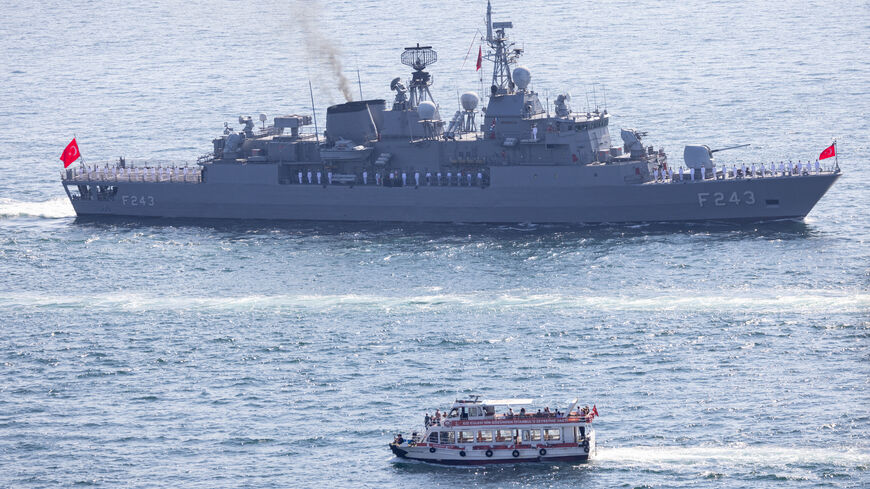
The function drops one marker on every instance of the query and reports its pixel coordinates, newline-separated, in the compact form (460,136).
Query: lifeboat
(478,432)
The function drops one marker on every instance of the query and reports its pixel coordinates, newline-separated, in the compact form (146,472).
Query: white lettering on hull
(722,199)
(137,200)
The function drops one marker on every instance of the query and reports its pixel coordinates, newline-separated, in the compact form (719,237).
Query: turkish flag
(828,152)
(594,410)
(70,154)
(479,57)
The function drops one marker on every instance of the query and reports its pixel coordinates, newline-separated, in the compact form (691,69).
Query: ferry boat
(477,432)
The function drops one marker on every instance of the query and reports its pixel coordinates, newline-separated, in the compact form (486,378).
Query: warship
(512,161)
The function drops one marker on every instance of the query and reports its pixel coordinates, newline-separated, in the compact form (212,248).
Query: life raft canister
(586,446)
(542,451)
(516,453)
(489,453)
(432,449)
(462,453)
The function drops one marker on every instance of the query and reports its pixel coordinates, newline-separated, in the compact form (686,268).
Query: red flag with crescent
(594,410)
(479,57)
(70,153)
(829,152)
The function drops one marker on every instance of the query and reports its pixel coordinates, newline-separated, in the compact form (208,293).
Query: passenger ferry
(476,432)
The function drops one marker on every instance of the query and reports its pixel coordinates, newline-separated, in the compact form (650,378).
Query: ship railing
(128,174)
(684,175)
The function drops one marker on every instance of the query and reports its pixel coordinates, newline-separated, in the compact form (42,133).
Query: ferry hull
(751,199)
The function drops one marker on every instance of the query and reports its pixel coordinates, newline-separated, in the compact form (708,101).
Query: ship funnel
(352,120)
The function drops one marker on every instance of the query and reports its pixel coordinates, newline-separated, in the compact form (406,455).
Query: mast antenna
(359,82)
(313,113)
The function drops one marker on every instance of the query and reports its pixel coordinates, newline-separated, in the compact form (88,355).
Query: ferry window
(552,434)
(504,435)
(484,436)
(466,436)
(433,437)
(473,411)
(490,410)
(532,435)
(448,437)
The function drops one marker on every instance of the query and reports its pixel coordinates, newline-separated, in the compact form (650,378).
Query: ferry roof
(507,402)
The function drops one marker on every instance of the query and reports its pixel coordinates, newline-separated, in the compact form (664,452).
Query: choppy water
(179,354)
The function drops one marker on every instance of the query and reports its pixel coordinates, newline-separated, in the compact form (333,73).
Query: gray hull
(532,199)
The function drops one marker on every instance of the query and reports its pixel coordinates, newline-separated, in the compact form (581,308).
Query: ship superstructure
(514,160)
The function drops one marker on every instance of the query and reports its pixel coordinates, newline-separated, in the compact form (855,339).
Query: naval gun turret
(701,156)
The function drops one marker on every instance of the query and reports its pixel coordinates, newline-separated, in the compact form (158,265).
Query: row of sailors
(397,179)
(799,168)
(144,174)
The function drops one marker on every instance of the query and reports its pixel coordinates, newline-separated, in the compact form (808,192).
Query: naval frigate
(514,161)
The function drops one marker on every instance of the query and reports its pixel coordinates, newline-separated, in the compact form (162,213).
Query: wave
(756,455)
(50,209)
(792,301)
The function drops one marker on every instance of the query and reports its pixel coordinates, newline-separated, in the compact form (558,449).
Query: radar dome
(426,110)
(522,77)
(469,101)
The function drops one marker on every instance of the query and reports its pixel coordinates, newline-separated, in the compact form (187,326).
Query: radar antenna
(419,57)
(502,53)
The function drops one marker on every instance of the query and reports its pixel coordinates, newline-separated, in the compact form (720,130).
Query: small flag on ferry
(479,57)
(829,152)
(70,154)
(594,410)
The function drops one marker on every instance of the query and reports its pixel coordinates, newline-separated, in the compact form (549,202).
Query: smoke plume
(318,44)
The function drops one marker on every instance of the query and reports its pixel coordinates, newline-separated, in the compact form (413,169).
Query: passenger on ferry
(427,420)
(510,412)
(438,417)
(546,410)
(539,414)
(523,412)
(399,439)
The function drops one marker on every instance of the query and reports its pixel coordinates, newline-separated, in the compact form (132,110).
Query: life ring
(586,446)
(489,453)
(432,450)
(462,453)
(447,424)
(516,453)
(542,451)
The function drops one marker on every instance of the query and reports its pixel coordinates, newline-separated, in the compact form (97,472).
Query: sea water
(251,354)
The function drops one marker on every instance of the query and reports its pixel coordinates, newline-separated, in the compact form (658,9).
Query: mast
(502,54)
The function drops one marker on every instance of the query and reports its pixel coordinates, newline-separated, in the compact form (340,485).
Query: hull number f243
(138,200)
(722,199)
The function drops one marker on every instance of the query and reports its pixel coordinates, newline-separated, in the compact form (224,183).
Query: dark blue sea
(257,354)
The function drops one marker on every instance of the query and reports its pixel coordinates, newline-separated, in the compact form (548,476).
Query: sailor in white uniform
(468,176)
(416,179)
(309,176)
(480,179)
(449,178)
(818,168)
(318,178)
(329,177)
(438,178)
(300,175)
(404,179)
(428,178)
(365,177)
(703,173)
